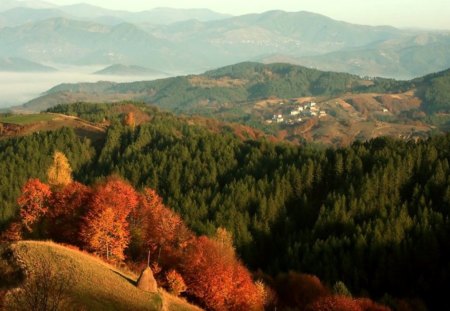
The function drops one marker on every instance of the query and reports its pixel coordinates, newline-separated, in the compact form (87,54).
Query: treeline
(374,216)
(98,112)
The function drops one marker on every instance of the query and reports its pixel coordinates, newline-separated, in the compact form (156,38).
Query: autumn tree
(139,220)
(68,206)
(334,303)
(129,120)
(105,227)
(33,202)
(166,234)
(299,290)
(175,282)
(60,172)
(224,239)
(218,279)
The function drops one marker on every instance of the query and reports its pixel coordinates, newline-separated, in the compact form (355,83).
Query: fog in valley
(17,88)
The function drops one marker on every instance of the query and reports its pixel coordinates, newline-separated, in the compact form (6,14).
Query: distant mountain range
(13,13)
(13,64)
(191,41)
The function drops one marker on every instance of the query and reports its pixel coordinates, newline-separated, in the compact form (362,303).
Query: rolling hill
(91,283)
(252,93)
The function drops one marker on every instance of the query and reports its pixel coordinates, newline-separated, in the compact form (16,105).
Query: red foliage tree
(335,303)
(68,206)
(33,202)
(105,227)
(218,279)
(139,220)
(175,282)
(245,294)
(368,305)
(166,234)
(344,303)
(299,290)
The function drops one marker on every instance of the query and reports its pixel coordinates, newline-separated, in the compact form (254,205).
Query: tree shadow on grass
(129,280)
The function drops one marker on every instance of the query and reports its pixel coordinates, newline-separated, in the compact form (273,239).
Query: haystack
(147,281)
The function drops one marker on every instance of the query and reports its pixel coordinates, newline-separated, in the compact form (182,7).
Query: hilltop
(14,64)
(92,283)
(129,70)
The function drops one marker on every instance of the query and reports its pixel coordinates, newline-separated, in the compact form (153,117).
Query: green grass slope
(96,285)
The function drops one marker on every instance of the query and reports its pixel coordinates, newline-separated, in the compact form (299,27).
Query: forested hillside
(374,215)
(252,94)
(231,85)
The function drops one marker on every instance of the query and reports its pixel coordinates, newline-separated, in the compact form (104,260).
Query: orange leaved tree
(33,202)
(175,283)
(105,227)
(215,277)
(68,206)
(166,234)
(129,120)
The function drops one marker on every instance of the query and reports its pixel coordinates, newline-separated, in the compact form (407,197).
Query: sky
(431,14)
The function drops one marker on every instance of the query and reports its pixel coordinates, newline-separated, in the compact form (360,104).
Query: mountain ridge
(190,45)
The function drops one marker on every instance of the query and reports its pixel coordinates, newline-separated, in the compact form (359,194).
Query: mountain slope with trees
(252,93)
(373,215)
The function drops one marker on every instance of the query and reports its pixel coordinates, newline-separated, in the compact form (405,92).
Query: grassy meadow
(95,285)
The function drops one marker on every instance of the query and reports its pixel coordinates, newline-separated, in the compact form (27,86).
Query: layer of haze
(432,14)
(17,88)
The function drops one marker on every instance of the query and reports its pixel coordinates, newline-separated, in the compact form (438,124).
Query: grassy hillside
(13,125)
(94,285)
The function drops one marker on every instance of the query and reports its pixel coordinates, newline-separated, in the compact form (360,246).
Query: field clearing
(25,119)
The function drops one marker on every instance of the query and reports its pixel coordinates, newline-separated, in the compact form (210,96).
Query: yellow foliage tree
(225,240)
(60,172)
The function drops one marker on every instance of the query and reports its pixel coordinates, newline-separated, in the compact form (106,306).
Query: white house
(294,112)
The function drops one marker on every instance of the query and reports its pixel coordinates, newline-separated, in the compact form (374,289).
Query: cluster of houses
(296,115)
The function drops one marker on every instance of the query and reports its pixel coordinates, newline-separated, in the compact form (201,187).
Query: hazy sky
(400,13)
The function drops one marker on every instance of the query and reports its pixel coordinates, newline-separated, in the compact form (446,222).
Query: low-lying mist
(18,88)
